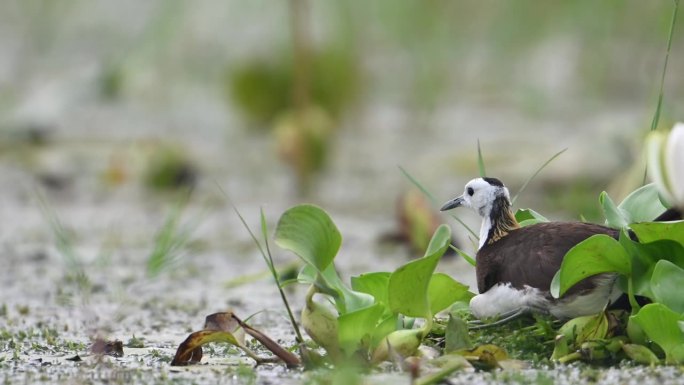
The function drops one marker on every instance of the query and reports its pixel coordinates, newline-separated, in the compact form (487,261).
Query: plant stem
(656,115)
(630,295)
(298,333)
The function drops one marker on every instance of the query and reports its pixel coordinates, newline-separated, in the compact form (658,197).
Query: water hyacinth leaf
(661,325)
(653,231)
(528,217)
(444,291)
(667,282)
(309,232)
(595,329)
(640,354)
(642,205)
(615,217)
(408,285)
(329,282)
(374,284)
(355,329)
(584,328)
(321,324)
(456,336)
(597,254)
(644,257)
(387,325)
(403,343)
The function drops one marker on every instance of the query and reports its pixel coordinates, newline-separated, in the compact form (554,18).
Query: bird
(515,265)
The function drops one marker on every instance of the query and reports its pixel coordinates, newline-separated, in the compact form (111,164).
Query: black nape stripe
(493,181)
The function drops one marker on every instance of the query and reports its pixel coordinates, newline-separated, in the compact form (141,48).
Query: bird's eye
(470,191)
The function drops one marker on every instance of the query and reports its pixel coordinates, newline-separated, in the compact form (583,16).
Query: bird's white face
(478,195)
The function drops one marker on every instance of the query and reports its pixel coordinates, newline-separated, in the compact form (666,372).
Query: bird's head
(480,194)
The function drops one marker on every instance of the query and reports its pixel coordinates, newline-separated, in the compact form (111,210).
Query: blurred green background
(283,101)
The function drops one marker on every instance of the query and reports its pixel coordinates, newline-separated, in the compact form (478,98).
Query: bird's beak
(452,204)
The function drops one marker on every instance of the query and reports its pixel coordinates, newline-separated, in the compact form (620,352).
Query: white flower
(666,163)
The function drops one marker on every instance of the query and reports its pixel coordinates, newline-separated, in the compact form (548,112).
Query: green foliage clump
(262,89)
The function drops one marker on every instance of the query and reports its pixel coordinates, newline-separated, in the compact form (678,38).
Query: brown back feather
(531,255)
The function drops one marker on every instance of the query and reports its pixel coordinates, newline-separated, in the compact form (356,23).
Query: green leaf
(374,284)
(661,326)
(615,217)
(597,254)
(408,285)
(642,205)
(355,329)
(667,282)
(444,291)
(654,231)
(528,217)
(644,257)
(329,282)
(308,231)
(640,354)
(456,336)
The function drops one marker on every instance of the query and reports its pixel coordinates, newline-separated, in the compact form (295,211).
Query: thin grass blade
(480,161)
(432,199)
(556,155)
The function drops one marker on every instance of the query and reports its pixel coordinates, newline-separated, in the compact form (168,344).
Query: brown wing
(531,255)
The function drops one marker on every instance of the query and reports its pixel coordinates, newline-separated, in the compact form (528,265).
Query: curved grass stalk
(535,174)
(432,199)
(656,115)
(268,259)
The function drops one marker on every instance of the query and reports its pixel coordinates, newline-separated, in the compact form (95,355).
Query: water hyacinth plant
(372,319)
(648,257)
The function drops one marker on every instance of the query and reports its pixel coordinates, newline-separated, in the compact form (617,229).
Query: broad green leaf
(403,343)
(386,326)
(307,275)
(456,336)
(374,284)
(308,231)
(529,216)
(667,282)
(597,254)
(661,326)
(439,242)
(640,354)
(444,291)
(615,217)
(355,329)
(642,205)
(644,257)
(329,282)
(595,329)
(654,231)
(408,285)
